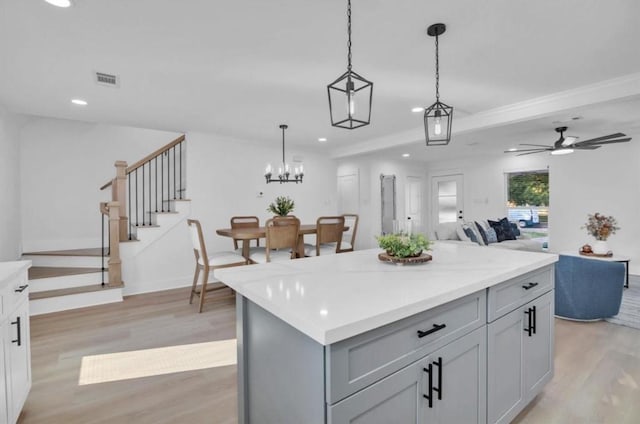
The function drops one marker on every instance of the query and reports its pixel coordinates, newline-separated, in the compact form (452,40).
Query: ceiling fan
(565,145)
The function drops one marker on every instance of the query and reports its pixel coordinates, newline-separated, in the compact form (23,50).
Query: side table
(614,258)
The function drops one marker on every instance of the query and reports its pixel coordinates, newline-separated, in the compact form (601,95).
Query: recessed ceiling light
(513,149)
(322,139)
(59,3)
(417,109)
(79,102)
(405,155)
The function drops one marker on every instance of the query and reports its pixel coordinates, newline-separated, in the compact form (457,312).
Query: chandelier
(350,95)
(284,170)
(438,116)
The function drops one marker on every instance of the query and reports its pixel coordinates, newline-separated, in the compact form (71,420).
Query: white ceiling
(242,67)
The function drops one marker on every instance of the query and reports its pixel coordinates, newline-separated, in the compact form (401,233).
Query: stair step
(92,251)
(138,226)
(176,200)
(72,298)
(38,272)
(59,260)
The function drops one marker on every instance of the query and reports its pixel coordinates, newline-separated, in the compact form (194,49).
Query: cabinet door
(4,413)
(459,381)
(538,349)
(395,399)
(19,359)
(505,388)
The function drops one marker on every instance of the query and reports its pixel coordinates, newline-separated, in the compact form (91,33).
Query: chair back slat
(197,240)
(245,222)
(282,233)
(351,221)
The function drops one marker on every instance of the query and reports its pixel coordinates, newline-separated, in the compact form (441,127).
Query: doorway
(447,199)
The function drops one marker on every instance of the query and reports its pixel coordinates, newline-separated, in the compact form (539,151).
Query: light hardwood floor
(597,367)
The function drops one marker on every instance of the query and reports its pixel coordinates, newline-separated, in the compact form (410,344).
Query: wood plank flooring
(597,376)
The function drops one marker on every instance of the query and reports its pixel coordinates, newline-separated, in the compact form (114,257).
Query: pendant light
(284,170)
(438,116)
(350,95)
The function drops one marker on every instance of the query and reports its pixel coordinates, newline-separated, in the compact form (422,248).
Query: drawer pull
(529,286)
(429,397)
(20,289)
(19,339)
(436,327)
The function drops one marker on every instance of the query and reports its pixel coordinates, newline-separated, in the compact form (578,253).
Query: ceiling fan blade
(604,137)
(532,152)
(526,150)
(599,143)
(586,147)
(539,145)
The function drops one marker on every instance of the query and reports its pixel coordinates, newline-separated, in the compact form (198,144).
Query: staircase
(140,212)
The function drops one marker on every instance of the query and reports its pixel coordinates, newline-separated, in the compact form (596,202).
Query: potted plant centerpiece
(282,206)
(601,227)
(402,245)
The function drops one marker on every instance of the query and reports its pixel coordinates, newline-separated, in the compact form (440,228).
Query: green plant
(403,245)
(282,206)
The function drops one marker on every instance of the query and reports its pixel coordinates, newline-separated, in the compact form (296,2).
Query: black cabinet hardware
(21,288)
(429,397)
(19,339)
(436,327)
(529,286)
(438,363)
(529,328)
(534,319)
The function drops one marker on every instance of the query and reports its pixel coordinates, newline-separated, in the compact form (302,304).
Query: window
(528,202)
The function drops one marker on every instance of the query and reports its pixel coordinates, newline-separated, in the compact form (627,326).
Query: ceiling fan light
(561,151)
(59,3)
(568,141)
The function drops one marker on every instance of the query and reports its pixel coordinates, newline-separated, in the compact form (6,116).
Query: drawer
(512,294)
(357,362)
(14,292)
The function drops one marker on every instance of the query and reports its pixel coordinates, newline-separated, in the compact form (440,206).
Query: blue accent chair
(588,289)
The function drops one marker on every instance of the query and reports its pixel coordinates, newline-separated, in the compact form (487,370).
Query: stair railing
(137,193)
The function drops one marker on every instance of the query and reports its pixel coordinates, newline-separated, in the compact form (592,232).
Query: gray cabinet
(520,357)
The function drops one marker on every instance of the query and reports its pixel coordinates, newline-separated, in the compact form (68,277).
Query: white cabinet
(15,352)
(520,353)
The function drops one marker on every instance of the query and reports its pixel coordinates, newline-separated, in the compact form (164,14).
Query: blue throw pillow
(470,233)
(515,229)
(491,236)
(503,229)
(482,232)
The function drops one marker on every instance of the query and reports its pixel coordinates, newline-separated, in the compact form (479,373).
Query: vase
(600,247)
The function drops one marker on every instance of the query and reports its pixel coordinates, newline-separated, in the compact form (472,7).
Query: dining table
(247,234)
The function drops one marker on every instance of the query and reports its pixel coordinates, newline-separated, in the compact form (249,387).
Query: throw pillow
(491,236)
(462,234)
(470,233)
(497,228)
(483,233)
(515,229)
(503,229)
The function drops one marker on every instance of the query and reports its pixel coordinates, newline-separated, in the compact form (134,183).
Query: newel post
(119,194)
(115,264)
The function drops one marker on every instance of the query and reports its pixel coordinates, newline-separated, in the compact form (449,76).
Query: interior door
(413,196)
(349,193)
(447,199)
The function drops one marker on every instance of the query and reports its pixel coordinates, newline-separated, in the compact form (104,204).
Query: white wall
(62,166)
(10,239)
(369,169)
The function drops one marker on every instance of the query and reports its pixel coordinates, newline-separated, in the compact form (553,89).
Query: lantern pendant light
(350,95)
(438,116)
(284,170)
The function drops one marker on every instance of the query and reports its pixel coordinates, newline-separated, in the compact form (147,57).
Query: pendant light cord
(437,72)
(349,35)
(283,162)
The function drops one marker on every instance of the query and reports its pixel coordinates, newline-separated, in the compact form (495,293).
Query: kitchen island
(346,338)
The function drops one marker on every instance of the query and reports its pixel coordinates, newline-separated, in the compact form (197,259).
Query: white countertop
(8,270)
(331,298)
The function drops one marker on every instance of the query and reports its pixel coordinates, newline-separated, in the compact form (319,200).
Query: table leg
(300,249)
(626,268)
(245,248)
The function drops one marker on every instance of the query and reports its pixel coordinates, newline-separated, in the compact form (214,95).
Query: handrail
(149,157)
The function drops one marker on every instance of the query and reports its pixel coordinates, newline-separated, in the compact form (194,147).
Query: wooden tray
(597,255)
(425,257)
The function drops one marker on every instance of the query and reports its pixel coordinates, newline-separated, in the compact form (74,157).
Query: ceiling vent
(107,79)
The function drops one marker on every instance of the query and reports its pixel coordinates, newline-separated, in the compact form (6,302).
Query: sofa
(471,232)
(588,289)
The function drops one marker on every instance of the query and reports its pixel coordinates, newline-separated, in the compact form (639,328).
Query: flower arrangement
(282,206)
(403,245)
(601,226)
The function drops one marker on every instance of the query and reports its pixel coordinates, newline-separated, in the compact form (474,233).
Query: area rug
(629,314)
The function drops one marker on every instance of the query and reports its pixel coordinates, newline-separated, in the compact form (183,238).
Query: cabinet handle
(438,363)
(429,397)
(436,327)
(19,339)
(21,288)
(529,315)
(529,286)
(534,319)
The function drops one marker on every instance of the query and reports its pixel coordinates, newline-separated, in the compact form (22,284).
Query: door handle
(436,327)
(438,363)
(19,339)
(429,397)
(534,319)
(529,328)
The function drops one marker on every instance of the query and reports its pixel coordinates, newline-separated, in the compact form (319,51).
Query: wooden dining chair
(349,237)
(207,262)
(329,230)
(281,240)
(244,222)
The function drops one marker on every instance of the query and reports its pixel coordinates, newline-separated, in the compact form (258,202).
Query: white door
(348,193)
(447,199)
(413,198)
